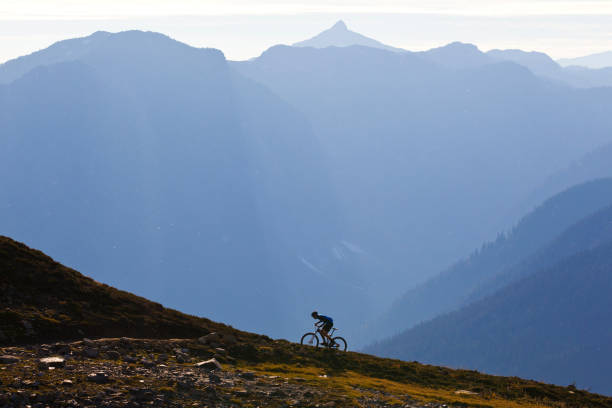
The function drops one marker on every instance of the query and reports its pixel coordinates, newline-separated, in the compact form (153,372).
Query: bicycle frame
(330,333)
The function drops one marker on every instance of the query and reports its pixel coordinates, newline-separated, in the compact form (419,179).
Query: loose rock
(6,359)
(211,364)
(52,362)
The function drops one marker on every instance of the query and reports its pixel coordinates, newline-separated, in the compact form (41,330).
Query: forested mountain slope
(531,242)
(552,325)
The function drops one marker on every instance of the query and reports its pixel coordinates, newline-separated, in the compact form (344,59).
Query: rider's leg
(327,336)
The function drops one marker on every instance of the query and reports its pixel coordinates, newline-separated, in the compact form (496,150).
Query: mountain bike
(312,339)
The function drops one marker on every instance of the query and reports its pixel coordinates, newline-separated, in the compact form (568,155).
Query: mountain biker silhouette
(324,324)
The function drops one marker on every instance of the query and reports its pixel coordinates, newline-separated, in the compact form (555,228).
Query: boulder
(67,383)
(248,375)
(113,355)
(52,362)
(229,339)
(6,359)
(148,363)
(211,364)
(211,338)
(91,352)
(99,378)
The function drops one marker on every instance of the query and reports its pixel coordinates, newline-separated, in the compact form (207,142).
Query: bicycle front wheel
(339,343)
(310,339)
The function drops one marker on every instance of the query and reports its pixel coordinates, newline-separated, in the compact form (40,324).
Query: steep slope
(155,167)
(45,301)
(424,157)
(552,326)
(534,242)
(340,36)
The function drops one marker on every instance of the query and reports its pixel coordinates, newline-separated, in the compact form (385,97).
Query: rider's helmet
(314,314)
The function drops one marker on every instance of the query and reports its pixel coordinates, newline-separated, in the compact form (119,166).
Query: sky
(243,29)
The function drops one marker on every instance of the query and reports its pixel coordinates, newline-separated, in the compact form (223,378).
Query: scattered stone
(148,363)
(210,338)
(99,378)
(220,351)
(113,355)
(6,359)
(211,364)
(91,352)
(129,359)
(248,375)
(465,392)
(229,339)
(67,383)
(54,362)
(88,342)
(214,378)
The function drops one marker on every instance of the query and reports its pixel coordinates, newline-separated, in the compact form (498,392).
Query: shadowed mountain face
(426,156)
(553,325)
(153,166)
(536,242)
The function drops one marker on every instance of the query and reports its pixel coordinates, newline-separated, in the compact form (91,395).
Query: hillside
(499,262)
(552,325)
(49,302)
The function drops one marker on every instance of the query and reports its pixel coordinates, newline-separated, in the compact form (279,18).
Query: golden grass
(356,387)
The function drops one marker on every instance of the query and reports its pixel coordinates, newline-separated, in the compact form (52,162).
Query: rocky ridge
(128,372)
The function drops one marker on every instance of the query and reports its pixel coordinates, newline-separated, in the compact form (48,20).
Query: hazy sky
(244,28)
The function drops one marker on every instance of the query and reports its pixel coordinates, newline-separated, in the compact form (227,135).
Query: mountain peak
(340,26)
(339,35)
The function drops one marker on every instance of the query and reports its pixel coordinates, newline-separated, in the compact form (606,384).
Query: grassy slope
(60,303)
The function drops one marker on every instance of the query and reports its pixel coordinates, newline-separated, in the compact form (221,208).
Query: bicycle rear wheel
(310,339)
(340,343)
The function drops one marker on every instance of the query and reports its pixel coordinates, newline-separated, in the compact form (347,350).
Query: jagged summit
(339,35)
(340,25)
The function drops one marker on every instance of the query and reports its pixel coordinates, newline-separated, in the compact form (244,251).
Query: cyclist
(324,324)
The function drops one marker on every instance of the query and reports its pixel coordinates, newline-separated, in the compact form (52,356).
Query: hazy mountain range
(426,153)
(599,60)
(501,262)
(551,325)
(338,174)
(200,187)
